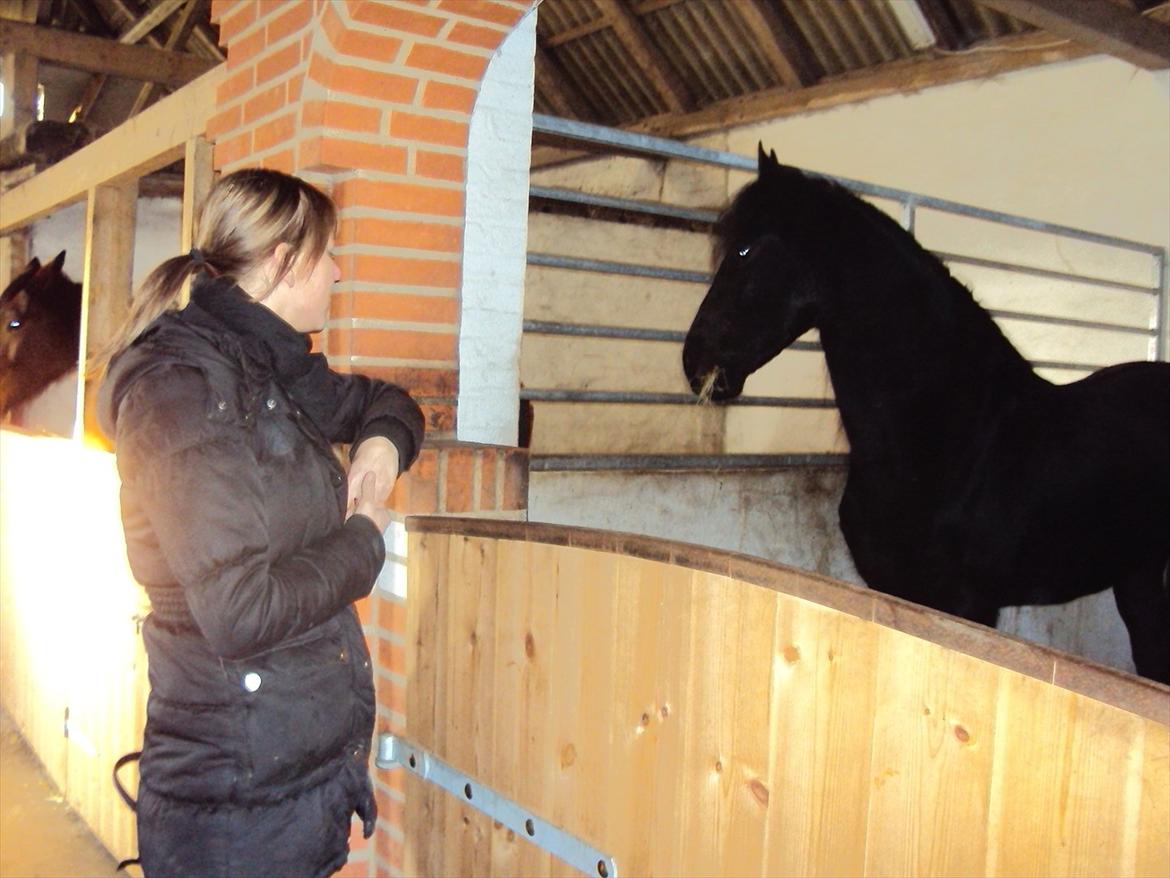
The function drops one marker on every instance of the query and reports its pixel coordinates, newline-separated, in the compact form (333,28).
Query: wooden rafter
(646,57)
(555,87)
(1101,25)
(153,139)
(946,31)
(777,42)
(148,22)
(896,77)
(176,40)
(202,38)
(80,52)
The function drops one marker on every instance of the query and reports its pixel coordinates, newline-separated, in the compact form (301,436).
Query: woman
(251,542)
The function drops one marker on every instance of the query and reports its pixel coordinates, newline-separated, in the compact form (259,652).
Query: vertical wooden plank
(541,633)
(932,750)
(638,719)
(198,177)
(1098,781)
(822,707)
(745,711)
(700,750)
(1152,842)
(671,783)
(107,281)
(465,740)
(508,688)
(1067,782)
(427,562)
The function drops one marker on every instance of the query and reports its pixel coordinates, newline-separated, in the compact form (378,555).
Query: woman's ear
(277,260)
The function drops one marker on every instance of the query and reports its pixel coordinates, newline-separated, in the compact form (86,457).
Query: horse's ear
(59,262)
(767,163)
(18,282)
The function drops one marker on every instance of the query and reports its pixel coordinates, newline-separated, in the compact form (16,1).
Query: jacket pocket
(299,707)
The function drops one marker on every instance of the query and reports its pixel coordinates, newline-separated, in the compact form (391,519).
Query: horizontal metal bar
(1070,321)
(666,462)
(1071,367)
(625,397)
(550,260)
(628,333)
(637,143)
(394,752)
(1016,268)
(659,147)
(651,208)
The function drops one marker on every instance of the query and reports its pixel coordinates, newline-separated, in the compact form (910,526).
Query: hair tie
(197,256)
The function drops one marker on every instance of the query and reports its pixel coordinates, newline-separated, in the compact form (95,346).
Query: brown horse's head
(40,318)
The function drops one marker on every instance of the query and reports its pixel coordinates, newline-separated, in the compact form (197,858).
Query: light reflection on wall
(68,621)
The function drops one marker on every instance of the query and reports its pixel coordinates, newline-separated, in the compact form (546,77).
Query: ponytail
(162,291)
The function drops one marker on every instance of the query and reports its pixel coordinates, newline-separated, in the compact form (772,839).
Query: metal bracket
(394,752)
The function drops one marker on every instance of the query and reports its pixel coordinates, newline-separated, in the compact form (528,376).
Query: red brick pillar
(371,100)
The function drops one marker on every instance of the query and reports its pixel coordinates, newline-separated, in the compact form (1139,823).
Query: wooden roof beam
(1101,25)
(201,37)
(555,87)
(777,41)
(894,77)
(176,40)
(97,55)
(152,19)
(946,31)
(646,56)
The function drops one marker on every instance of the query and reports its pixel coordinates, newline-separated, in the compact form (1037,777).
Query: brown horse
(40,330)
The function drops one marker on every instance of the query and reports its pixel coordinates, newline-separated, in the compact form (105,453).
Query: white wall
(494,243)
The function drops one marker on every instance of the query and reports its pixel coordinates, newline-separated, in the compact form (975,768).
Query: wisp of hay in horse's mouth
(708,387)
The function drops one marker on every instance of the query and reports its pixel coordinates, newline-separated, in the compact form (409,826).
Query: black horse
(973,483)
(40,320)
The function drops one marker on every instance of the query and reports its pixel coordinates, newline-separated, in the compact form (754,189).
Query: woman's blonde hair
(247,214)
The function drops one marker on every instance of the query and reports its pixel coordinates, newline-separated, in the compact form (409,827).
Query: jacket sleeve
(197,479)
(350,408)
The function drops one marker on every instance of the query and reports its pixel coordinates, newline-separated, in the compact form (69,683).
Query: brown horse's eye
(744,251)
(15,323)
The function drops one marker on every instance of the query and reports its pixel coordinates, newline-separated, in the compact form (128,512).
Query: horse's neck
(915,359)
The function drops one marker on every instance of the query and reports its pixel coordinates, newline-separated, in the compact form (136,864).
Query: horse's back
(1126,398)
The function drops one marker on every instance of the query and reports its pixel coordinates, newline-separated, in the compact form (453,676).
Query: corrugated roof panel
(877,22)
(639,96)
(710,49)
(556,18)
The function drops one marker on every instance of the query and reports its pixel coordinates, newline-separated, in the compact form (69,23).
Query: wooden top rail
(1137,695)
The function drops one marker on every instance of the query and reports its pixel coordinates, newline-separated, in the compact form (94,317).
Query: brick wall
(372,101)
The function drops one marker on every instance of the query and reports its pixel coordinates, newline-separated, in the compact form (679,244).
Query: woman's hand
(379,456)
(366,503)
(372,475)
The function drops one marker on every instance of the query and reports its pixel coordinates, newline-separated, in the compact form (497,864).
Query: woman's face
(302,298)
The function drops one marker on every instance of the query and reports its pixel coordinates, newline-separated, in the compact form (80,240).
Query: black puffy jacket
(261,708)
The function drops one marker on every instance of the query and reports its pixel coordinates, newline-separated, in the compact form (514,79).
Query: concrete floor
(40,835)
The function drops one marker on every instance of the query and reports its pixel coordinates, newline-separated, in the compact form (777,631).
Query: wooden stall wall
(690,712)
(72,664)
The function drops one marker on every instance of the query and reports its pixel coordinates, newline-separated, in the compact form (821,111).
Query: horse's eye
(14,323)
(744,251)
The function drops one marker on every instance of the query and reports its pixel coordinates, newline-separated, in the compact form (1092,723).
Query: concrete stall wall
(1082,143)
